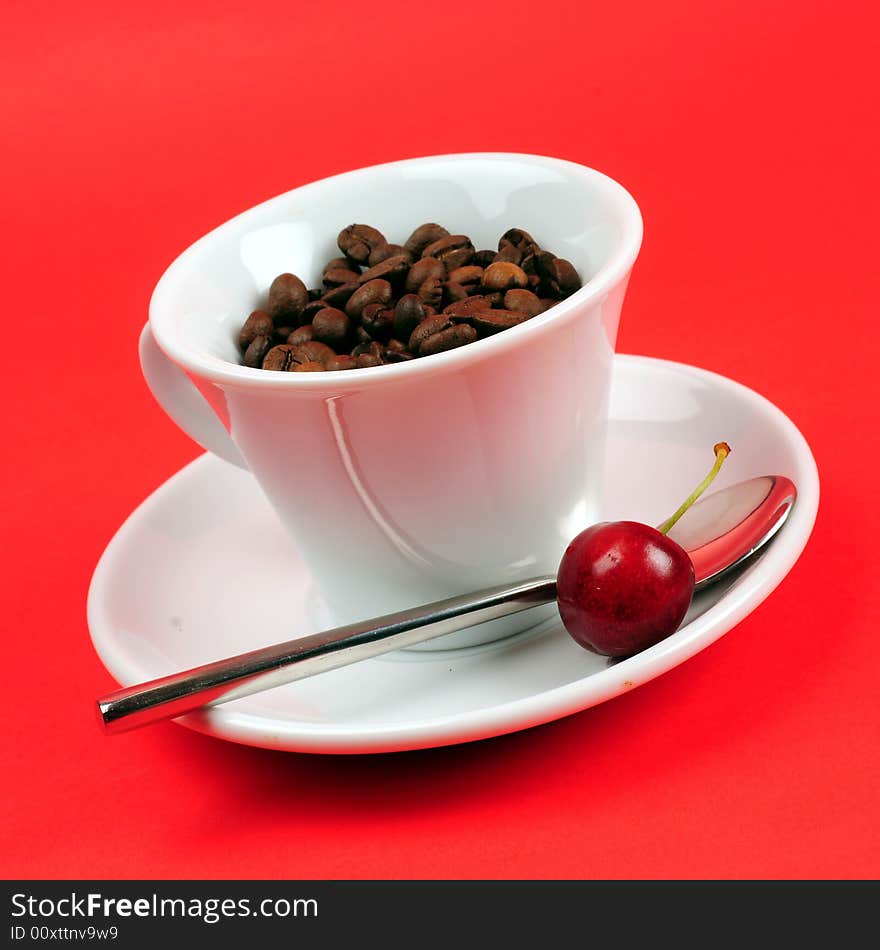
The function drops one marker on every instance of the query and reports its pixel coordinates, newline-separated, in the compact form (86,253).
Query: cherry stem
(722,450)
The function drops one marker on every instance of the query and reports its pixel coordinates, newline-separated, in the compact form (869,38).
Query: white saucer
(201,570)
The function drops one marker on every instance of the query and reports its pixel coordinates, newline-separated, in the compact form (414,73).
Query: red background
(748,133)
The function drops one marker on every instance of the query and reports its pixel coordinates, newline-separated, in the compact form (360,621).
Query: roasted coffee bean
(375,291)
(428,268)
(259,323)
(424,235)
(335,274)
(281,334)
(287,298)
(495,298)
(426,328)
(508,254)
(339,296)
(366,360)
(483,258)
(384,251)
(378,321)
(453,293)
(343,361)
(333,327)
(301,335)
(468,306)
(279,357)
(358,241)
(468,276)
(398,356)
(455,250)
(314,307)
(455,336)
(504,276)
(519,239)
(494,321)
(392,269)
(408,314)
(313,351)
(394,345)
(372,348)
(310,367)
(558,275)
(431,292)
(523,301)
(360,334)
(256,351)
(567,278)
(315,293)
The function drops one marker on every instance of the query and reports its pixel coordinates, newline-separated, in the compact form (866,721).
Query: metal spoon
(720,532)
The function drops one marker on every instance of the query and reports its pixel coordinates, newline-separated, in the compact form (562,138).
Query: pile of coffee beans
(388,303)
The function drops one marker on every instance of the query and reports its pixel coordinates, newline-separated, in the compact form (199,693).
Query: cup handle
(176,394)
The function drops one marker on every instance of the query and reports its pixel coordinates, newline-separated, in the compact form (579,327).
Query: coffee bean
(279,357)
(343,361)
(503,276)
(455,336)
(334,275)
(310,367)
(431,292)
(398,356)
(508,254)
(567,277)
(391,269)
(468,276)
(287,298)
(483,258)
(428,268)
(426,328)
(313,307)
(494,321)
(256,351)
(316,293)
(358,241)
(301,335)
(468,306)
(339,296)
(523,301)
(282,333)
(360,334)
(519,239)
(453,293)
(365,360)
(312,352)
(454,250)
(378,321)
(384,251)
(395,345)
(408,314)
(372,349)
(332,326)
(424,235)
(259,323)
(375,291)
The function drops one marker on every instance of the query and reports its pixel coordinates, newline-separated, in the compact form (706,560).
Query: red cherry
(623,586)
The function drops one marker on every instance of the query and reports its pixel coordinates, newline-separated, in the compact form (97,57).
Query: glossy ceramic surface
(168,592)
(408,483)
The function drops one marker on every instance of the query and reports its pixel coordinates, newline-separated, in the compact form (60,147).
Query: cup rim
(619,263)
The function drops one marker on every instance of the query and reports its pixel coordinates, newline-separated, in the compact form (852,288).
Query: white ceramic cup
(406,483)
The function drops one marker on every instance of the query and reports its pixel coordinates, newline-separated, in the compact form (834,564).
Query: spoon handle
(237,676)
